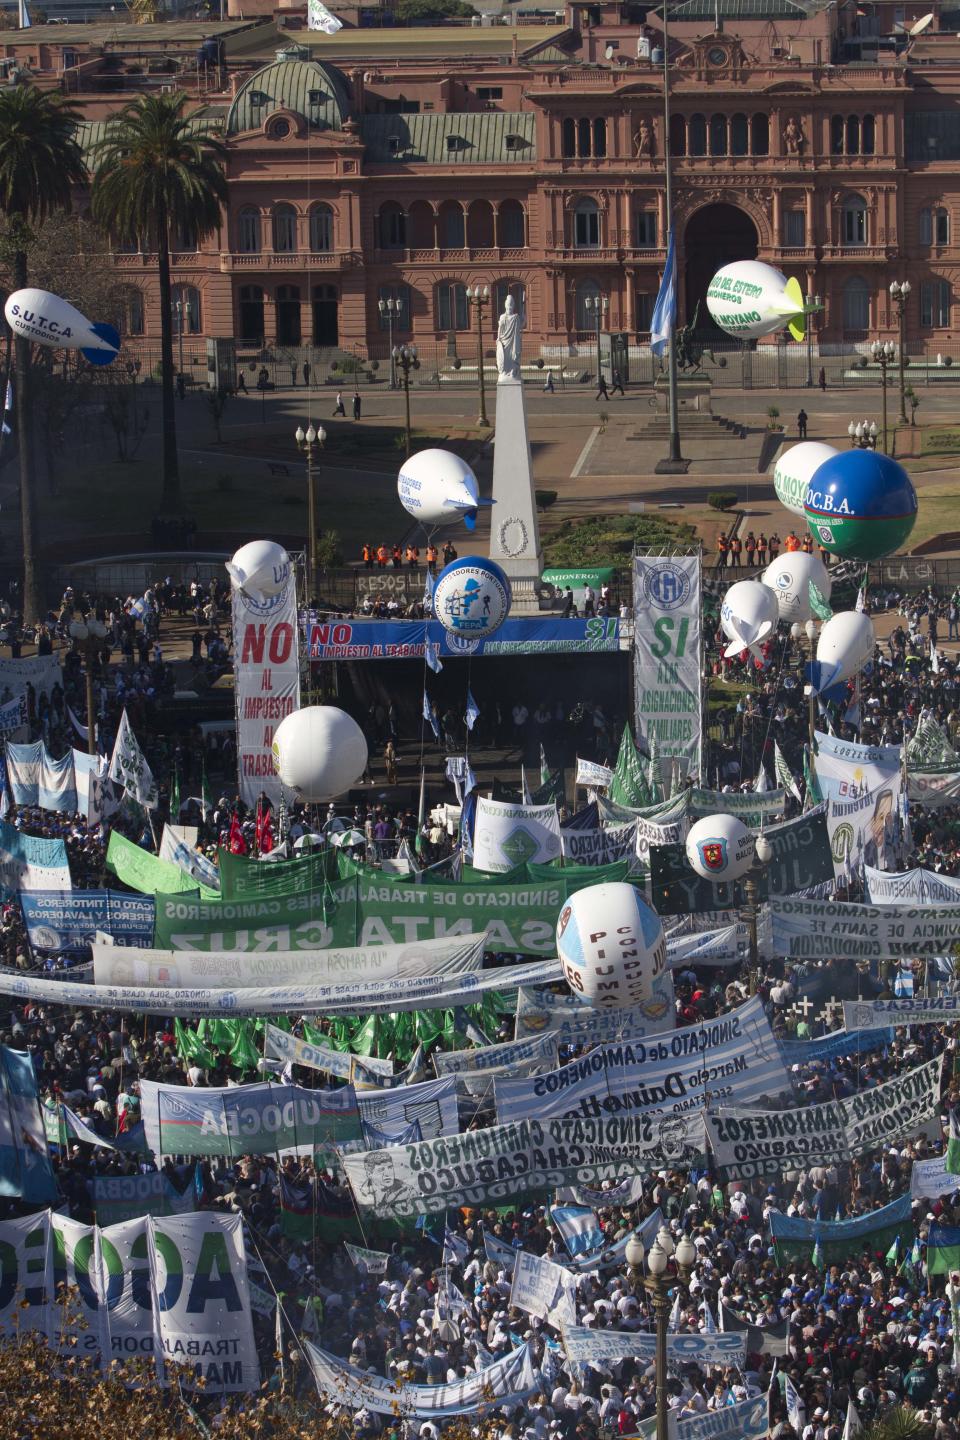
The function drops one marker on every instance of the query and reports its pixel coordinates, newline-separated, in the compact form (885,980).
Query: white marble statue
(508,343)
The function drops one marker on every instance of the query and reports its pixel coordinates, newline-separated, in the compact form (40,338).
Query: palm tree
(897,1422)
(157,175)
(40,163)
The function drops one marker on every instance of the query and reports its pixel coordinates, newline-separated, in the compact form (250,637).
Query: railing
(297,260)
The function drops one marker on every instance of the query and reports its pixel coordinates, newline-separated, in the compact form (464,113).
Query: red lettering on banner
(266,680)
(281,642)
(253,643)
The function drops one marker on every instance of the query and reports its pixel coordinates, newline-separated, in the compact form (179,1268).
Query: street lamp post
(900,294)
(797,632)
(884,353)
(390,308)
(478,296)
(657,1284)
(88,635)
(813,304)
(596,305)
(406,357)
(183,313)
(310,442)
(763,854)
(863,434)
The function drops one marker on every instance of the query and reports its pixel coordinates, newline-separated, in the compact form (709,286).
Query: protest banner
(506,836)
(143,871)
(540,1009)
(917,887)
(245,1119)
(934,788)
(795,1238)
(929,1179)
(713,948)
(266,657)
(281,1045)
(198,869)
(903,1010)
(598,846)
(25,1170)
(13,717)
(517,918)
(513,1378)
(829,929)
(433,1105)
(243,878)
(201,1310)
(174,969)
(759,1340)
(541,1048)
(129,1197)
(25,1274)
(39,673)
(543,1289)
(747,1421)
(431,992)
(595,1346)
(30,862)
(801,859)
(592,775)
(129,768)
(862,785)
(667,657)
(839,1042)
(734,1056)
(372,1262)
(406,640)
(753,807)
(68,920)
(750,1143)
(489,1166)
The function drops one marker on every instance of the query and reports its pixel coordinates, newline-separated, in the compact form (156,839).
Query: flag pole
(674,462)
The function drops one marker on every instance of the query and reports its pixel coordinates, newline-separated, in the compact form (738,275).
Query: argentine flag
(665,310)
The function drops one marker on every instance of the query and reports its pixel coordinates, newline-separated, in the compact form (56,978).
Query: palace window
(453,312)
(935,303)
(586,224)
(853,216)
(248,231)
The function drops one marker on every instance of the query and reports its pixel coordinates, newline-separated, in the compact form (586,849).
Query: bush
(329,550)
(544,498)
(605,539)
(722,499)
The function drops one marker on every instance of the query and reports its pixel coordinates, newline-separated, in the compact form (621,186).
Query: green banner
(145,872)
(245,879)
(366,911)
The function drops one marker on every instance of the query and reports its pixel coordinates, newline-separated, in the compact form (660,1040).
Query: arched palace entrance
(715,236)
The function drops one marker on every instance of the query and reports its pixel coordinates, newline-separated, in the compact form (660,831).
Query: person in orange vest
(774,545)
(722,544)
(397,557)
(368,557)
(413,556)
(750,545)
(432,558)
(807,545)
(761,549)
(791,543)
(383,555)
(825,556)
(736,549)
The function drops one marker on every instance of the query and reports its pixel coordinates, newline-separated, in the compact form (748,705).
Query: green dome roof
(317,92)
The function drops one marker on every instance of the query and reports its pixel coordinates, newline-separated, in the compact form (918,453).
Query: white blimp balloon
(611,946)
(319,752)
(749,299)
(48,319)
(794,471)
(437,487)
(845,647)
(748,615)
(260,568)
(720,847)
(789,578)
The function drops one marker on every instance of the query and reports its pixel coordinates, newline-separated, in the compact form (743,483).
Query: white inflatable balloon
(845,647)
(611,946)
(260,568)
(749,299)
(794,471)
(748,615)
(789,578)
(47,319)
(319,752)
(720,847)
(437,487)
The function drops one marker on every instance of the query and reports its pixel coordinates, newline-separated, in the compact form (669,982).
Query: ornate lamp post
(657,1283)
(863,434)
(88,635)
(596,305)
(813,304)
(884,353)
(310,442)
(406,357)
(763,854)
(390,308)
(900,294)
(478,296)
(797,632)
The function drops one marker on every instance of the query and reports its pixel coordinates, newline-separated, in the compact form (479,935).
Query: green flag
(893,1252)
(191,1048)
(783,772)
(244,1054)
(810,780)
(953,1145)
(818,605)
(175,797)
(819,1263)
(628,786)
(364,1040)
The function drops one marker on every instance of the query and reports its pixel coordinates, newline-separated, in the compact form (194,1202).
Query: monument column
(514,531)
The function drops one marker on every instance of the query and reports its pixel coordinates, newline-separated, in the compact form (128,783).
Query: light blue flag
(429,585)
(665,310)
(430,715)
(795,1408)
(579,1228)
(431,653)
(473,711)
(456,1249)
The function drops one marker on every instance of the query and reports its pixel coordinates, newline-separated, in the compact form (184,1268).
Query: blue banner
(67,919)
(794,1227)
(407,640)
(25,1169)
(841,1042)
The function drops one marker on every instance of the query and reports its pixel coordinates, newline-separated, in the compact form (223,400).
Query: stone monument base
(514,531)
(693,393)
